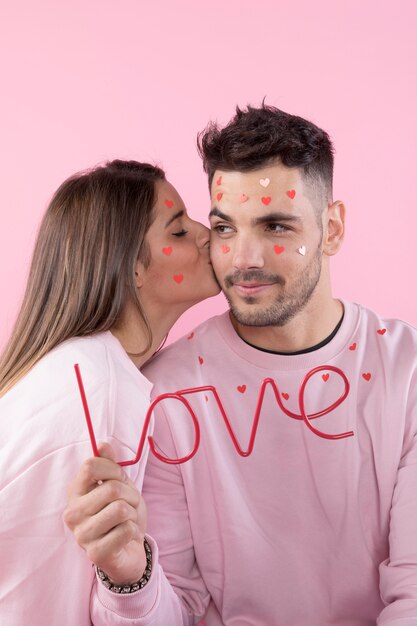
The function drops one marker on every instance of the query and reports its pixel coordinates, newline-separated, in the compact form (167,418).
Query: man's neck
(307,329)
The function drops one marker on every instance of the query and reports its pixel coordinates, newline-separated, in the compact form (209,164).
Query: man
(300,506)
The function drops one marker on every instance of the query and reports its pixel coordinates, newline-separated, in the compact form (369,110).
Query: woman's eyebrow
(174,217)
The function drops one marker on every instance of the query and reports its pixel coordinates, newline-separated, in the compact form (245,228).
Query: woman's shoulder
(89,353)
(54,374)
(103,364)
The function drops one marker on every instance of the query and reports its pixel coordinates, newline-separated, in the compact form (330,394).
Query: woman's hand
(107,515)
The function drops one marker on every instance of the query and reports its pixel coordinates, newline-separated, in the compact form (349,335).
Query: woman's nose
(203,235)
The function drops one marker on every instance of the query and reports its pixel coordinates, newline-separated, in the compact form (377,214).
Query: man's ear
(333,227)
(139,274)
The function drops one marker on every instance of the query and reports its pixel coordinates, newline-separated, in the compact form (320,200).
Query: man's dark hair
(256,137)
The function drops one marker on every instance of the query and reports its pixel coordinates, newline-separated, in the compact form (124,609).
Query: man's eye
(278,228)
(222,229)
(180,233)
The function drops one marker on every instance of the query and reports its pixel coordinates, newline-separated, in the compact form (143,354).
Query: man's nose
(247,253)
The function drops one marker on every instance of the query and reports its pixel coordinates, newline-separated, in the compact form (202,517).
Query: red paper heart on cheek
(219,196)
(167,251)
(291,194)
(178,278)
(169,203)
(225,248)
(278,249)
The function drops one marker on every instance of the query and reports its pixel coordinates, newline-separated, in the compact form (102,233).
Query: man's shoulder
(383,325)
(391,341)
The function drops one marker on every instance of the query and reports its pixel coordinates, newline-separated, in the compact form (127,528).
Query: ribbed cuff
(138,604)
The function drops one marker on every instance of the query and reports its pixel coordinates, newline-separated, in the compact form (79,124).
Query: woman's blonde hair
(83,266)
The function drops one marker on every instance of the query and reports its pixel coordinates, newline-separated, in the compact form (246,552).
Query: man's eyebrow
(174,217)
(263,219)
(276,217)
(215,212)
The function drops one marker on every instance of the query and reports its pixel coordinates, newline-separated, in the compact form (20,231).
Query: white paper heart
(302,250)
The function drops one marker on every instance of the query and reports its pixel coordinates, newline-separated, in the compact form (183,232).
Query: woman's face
(179,271)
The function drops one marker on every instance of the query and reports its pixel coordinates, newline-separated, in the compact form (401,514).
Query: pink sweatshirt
(45,577)
(305,531)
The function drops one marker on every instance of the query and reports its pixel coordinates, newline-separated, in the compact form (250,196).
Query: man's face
(265,244)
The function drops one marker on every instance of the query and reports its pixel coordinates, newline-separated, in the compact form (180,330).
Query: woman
(117,261)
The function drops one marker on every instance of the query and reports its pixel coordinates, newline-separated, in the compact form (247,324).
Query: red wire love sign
(209,388)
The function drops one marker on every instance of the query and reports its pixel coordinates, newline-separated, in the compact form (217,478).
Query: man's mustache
(253,276)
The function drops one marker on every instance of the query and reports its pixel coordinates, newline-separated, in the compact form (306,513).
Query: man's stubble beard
(288,303)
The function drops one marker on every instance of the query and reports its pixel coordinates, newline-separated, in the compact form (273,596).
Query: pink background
(84,81)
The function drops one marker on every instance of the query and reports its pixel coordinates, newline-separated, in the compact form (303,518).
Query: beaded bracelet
(134,586)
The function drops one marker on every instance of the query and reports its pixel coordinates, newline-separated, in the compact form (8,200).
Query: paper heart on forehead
(266,200)
(264,182)
(179,396)
(219,180)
